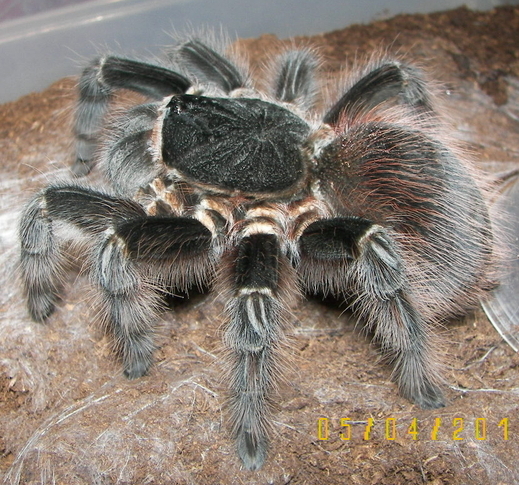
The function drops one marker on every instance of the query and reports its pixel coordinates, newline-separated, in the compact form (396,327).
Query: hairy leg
(295,80)
(389,81)
(97,85)
(41,258)
(352,256)
(209,66)
(127,243)
(253,336)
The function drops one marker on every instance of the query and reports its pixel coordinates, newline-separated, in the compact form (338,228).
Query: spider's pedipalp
(253,335)
(97,85)
(295,79)
(387,82)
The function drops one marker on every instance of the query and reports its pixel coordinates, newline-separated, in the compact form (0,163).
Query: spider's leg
(127,237)
(130,302)
(96,87)
(41,261)
(41,258)
(389,81)
(295,80)
(353,255)
(126,158)
(209,66)
(253,337)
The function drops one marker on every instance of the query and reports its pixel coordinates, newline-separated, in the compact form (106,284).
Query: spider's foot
(431,400)
(429,396)
(252,450)
(41,305)
(136,370)
(137,355)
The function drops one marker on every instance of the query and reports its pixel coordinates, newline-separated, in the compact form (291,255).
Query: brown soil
(67,416)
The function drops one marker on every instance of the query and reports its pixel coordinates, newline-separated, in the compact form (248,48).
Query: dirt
(68,416)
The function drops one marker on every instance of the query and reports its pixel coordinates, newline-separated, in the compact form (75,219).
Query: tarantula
(265,195)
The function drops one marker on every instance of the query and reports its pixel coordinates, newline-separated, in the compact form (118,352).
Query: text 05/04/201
(457,429)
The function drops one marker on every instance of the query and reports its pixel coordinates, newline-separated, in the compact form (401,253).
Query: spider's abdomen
(237,144)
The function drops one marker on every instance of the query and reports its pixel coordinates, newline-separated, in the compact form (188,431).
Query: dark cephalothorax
(265,195)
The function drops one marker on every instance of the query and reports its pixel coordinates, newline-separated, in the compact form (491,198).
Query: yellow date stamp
(455,429)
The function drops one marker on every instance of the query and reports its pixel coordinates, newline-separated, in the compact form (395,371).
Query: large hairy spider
(264,195)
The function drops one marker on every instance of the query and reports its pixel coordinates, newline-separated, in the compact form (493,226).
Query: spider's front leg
(258,275)
(356,257)
(104,76)
(127,243)
(174,249)
(41,257)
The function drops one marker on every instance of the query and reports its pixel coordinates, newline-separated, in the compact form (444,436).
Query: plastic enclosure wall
(39,49)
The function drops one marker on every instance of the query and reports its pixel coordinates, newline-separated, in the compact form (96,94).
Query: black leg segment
(209,66)
(295,81)
(89,210)
(390,81)
(150,80)
(333,239)
(164,238)
(96,87)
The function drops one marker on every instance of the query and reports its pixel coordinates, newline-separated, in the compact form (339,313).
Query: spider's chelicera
(265,195)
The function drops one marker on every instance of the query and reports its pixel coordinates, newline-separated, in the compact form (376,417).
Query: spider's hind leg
(388,81)
(295,79)
(208,66)
(354,256)
(253,336)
